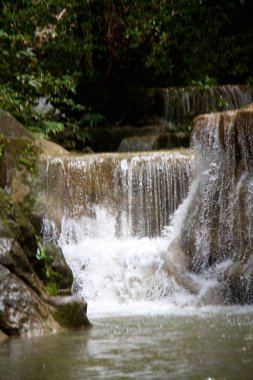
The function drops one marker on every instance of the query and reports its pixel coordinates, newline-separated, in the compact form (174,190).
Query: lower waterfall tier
(137,193)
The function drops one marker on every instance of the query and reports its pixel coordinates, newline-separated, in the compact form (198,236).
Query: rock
(109,139)
(213,295)
(176,265)
(18,244)
(12,257)
(22,312)
(18,225)
(64,278)
(23,166)
(70,311)
(237,283)
(10,127)
(3,336)
(24,305)
(143,143)
(49,148)
(87,150)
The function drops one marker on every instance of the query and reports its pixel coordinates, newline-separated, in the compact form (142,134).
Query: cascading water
(180,103)
(177,104)
(220,239)
(110,213)
(138,194)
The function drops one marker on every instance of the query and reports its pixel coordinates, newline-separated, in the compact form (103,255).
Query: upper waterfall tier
(137,193)
(219,223)
(179,103)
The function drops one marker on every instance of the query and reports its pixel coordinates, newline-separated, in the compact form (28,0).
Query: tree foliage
(83,57)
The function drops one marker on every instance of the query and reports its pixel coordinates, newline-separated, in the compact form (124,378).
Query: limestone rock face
(217,231)
(24,302)
(25,307)
(22,309)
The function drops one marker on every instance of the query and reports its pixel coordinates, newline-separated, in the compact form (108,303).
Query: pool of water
(195,346)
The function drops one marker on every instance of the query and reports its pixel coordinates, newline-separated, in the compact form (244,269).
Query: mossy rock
(70,312)
(61,276)
(19,225)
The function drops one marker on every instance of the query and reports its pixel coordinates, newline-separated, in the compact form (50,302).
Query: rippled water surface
(194,346)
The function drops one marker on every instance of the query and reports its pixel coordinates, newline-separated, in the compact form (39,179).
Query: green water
(211,346)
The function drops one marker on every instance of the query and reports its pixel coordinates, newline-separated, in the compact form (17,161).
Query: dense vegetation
(83,57)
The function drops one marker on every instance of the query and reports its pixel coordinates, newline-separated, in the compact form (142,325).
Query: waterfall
(177,104)
(138,193)
(110,214)
(220,239)
(180,103)
(138,238)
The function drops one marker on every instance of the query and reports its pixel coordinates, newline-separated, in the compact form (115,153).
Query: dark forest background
(84,58)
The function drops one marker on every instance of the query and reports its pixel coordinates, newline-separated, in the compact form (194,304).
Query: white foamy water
(131,276)
(124,276)
(138,276)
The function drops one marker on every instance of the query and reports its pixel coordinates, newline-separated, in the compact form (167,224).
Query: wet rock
(22,312)
(211,295)
(70,311)
(237,283)
(177,264)
(24,306)
(64,278)
(18,225)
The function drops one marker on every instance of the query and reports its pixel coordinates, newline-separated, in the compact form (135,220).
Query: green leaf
(41,252)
